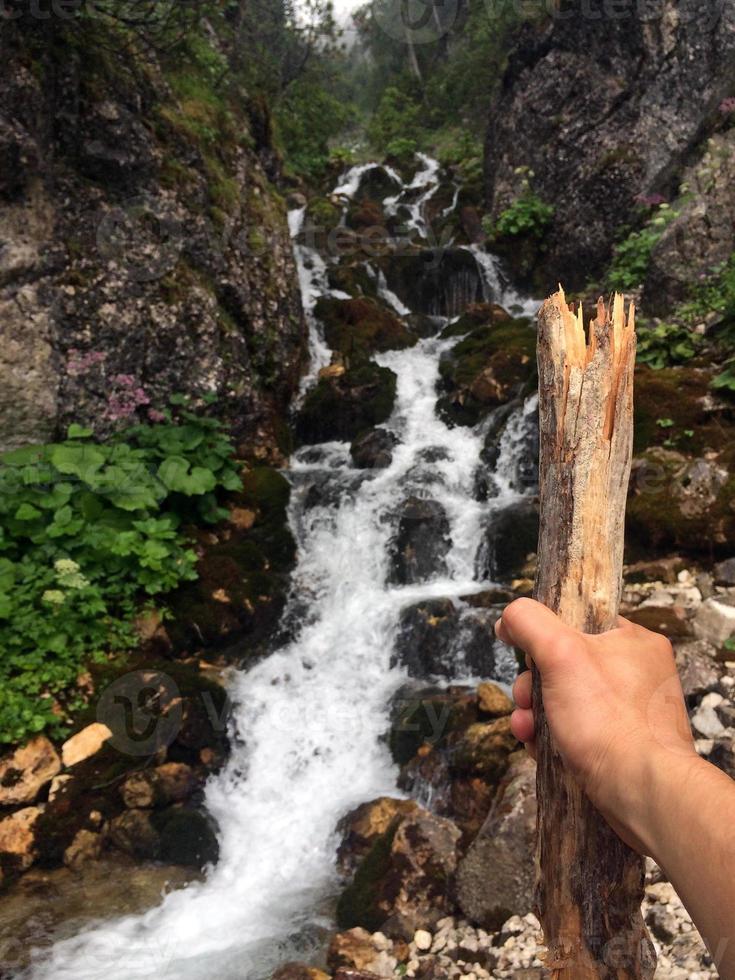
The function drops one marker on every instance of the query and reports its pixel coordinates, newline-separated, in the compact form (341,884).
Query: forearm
(687,824)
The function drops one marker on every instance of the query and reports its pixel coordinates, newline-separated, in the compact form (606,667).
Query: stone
(492,881)
(405,880)
(436,638)
(353,948)
(422,717)
(670,620)
(133,833)
(493,701)
(171,782)
(299,971)
(188,837)
(422,939)
(342,407)
(511,537)
(705,720)
(715,621)
(86,847)
(420,542)
(658,570)
(84,744)
(696,663)
(724,572)
(361,827)
(722,754)
(373,450)
(25,772)
(18,838)
(483,749)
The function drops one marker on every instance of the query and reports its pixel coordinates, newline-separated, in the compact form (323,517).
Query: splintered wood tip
(579,344)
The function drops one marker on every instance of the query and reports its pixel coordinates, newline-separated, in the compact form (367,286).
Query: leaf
(27,512)
(173,472)
(78,432)
(81,461)
(63,516)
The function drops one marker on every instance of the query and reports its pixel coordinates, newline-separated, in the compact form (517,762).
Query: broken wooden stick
(589,883)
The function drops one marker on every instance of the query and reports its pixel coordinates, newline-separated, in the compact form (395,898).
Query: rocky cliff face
(143,249)
(606,103)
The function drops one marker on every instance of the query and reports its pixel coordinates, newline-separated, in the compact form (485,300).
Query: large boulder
(25,772)
(405,881)
(495,877)
(19,840)
(360,828)
(373,450)
(436,282)
(570,82)
(425,716)
(420,543)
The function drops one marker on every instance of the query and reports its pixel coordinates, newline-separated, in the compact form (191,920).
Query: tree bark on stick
(589,883)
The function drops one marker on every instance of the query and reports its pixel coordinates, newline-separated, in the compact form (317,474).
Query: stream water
(310,720)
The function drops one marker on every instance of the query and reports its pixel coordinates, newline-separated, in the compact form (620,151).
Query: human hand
(614,705)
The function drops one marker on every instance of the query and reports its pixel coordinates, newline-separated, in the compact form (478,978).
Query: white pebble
(422,939)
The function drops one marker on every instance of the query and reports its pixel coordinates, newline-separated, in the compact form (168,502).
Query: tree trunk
(589,883)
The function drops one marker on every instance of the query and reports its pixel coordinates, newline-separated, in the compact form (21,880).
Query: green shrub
(633,255)
(87,532)
(666,344)
(527,215)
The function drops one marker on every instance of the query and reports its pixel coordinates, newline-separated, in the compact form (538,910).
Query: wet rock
(169,783)
(483,749)
(658,570)
(420,543)
(187,837)
(360,327)
(361,828)
(133,833)
(18,847)
(670,620)
(340,408)
(299,971)
(373,449)
(493,701)
(489,367)
(436,282)
(423,325)
(86,847)
(405,880)
(438,639)
(511,536)
(84,744)
(714,621)
(492,883)
(724,572)
(377,183)
(697,668)
(354,949)
(427,716)
(25,772)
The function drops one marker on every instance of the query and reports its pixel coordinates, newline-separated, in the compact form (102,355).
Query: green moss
(268,491)
(358,903)
(677,397)
(360,327)
(341,408)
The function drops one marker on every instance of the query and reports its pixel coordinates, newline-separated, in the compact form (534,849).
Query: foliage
(725,380)
(88,530)
(633,255)
(527,215)
(665,345)
(397,117)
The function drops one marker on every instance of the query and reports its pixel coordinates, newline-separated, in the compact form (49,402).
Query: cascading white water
(307,742)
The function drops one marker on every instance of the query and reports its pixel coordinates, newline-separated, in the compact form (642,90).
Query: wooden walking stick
(589,883)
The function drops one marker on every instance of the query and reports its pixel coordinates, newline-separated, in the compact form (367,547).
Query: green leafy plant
(527,215)
(633,255)
(725,380)
(90,533)
(666,344)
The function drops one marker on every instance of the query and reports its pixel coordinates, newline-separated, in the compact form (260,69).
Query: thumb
(538,631)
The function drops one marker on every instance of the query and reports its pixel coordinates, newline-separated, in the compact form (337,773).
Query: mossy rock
(360,327)
(358,903)
(428,715)
(491,365)
(365,214)
(322,213)
(340,408)
(187,837)
(244,575)
(478,315)
(671,410)
(353,279)
(681,503)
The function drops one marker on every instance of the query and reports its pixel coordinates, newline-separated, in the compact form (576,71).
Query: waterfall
(309,719)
